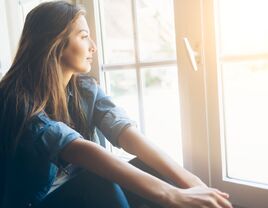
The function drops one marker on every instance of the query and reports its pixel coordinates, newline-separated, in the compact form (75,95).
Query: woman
(49,110)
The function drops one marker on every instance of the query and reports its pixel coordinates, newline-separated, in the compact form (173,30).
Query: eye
(85,37)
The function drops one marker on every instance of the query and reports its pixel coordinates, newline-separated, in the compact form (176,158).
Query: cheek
(73,55)
(75,51)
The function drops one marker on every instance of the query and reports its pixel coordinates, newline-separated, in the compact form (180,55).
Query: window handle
(191,53)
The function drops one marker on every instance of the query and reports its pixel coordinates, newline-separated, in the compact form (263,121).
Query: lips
(90,59)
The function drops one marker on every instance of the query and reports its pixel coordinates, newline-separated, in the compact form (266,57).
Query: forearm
(98,160)
(153,156)
(167,167)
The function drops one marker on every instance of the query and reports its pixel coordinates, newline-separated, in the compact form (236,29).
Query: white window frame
(202,133)
(196,153)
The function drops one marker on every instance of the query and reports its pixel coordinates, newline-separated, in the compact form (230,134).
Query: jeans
(88,190)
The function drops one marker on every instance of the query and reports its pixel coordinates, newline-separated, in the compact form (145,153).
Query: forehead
(80,24)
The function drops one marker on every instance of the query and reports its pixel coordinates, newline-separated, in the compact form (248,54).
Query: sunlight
(243,45)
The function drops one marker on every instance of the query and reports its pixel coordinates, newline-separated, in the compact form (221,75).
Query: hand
(201,197)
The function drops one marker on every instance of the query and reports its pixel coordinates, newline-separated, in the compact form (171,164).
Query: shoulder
(86,82)
(89,87)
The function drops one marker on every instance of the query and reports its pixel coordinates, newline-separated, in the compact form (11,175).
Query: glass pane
(242,26)
(161,108)
(117,31)
(156,33)
(123,89)
(246,119)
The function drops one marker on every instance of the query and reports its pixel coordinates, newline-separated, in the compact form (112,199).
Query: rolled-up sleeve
(55,137)
(52,136)
(109,118)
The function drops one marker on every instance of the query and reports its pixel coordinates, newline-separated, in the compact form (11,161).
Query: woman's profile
(50,109)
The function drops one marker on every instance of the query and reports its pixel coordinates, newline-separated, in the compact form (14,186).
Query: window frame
(202,130)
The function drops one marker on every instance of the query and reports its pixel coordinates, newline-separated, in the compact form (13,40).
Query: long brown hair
(34,82)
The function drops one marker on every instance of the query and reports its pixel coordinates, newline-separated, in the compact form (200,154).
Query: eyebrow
(83,30)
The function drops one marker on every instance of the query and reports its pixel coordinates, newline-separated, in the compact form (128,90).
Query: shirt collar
(69,91)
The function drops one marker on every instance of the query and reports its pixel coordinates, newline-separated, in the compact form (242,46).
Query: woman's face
(77,56)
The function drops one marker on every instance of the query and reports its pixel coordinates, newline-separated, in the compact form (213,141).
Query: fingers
(207,197)
(223,194)
(222,199)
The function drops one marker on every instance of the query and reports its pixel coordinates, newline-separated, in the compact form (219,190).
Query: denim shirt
(34,169)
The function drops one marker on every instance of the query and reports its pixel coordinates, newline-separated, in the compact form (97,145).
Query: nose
(93,47)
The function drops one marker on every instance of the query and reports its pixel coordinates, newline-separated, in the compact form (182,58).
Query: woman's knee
(87,189)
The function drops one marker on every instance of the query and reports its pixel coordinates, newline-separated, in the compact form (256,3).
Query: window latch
(193,55)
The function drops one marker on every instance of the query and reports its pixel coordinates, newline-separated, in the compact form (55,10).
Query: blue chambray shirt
(33,173)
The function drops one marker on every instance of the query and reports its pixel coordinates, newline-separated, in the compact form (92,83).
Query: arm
(100,161)
(135,143)
(96,159)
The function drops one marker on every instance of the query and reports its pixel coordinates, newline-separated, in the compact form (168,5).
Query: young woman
(49,111)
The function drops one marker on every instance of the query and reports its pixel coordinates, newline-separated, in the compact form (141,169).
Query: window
(139,66)
(12,16)
(244,74)
(139,60)
(5,48)
(225,99)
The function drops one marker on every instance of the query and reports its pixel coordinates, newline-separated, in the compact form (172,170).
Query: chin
(88,70)
(85,70)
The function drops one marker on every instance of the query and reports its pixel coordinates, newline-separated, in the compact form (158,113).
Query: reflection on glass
(161,108)
(156,30)
(117,31)
(243,27)
(246,119)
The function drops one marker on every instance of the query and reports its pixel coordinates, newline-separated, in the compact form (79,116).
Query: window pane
(156,30)
(123,89)
(117,31)
(242,26)
(161,108)
(246,119)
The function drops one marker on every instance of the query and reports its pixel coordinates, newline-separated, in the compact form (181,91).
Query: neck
(67,75)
